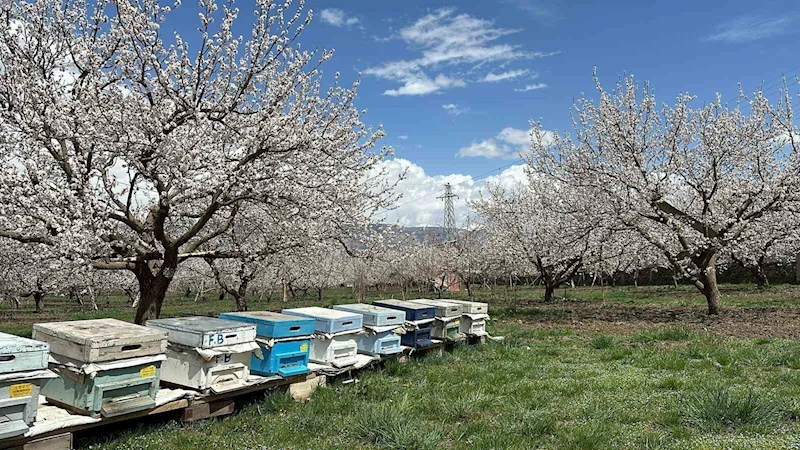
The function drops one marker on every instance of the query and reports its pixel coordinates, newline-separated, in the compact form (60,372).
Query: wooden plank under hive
(105,367)
(23,369)
(284,342)
(206,353)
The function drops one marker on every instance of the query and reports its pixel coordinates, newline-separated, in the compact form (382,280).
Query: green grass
(552,391)
(554,383)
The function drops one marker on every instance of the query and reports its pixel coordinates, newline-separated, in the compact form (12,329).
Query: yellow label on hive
(149,371)
(303,347)
(20,390)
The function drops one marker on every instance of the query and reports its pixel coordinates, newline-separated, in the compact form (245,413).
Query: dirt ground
(619,318)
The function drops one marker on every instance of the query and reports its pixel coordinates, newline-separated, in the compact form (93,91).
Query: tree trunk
(153,288)
(761,277)
(241,302)
(549,289)
(710,289)
(38,299)
(319,293)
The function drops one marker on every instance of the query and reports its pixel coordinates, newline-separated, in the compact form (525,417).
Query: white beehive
(470,307)
(474,324)
(207,353)
(338,351)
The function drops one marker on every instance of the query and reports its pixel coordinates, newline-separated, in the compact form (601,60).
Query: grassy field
(614,368)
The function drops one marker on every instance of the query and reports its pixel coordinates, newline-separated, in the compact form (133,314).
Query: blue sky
(455,84)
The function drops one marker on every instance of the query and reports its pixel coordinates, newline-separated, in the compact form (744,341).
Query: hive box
(206,353)
(23,369)
(474,324)
(377,316)
(105,367)
(449,330)
(443,309)
(417,338)
(204,332)
(470,307)
(381,343)
(414,311)
(284,342)
(338,351)
(328,320)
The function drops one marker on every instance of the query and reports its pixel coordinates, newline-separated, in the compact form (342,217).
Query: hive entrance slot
(127,348)
(7,358)
(294,328)
(230,336)
(350,322)
(391,318)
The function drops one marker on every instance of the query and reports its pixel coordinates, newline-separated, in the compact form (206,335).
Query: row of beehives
(107,367)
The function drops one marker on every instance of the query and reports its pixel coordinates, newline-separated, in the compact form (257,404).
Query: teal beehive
(104,367)
(23,369)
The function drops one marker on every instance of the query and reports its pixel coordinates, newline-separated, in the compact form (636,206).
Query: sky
(456,84)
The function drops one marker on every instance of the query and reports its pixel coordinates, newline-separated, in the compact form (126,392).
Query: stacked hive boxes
(207,354)
(379,324)
(23,369)
(419,319)
(448,315)
(284,342)
(104,366)
(334,341)
(473,317)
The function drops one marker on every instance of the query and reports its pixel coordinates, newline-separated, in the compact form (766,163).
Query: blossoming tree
(129,148)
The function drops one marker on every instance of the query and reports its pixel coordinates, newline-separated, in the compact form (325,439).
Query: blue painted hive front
(417,338)
(414,311)
(283,339)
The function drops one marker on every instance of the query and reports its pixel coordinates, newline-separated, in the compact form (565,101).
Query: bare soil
(611,317)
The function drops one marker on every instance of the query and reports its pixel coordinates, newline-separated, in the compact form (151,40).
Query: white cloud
(419,205)
(337,18)
(403,137)
(420,84)
(446,40)
(454,109)
(492,77)
(531,87)
(754,27)
(508,144)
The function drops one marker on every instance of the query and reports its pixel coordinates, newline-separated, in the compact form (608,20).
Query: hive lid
(199,324)
(267,316)
(99,333)
(11,344)
(404,304)
(324,313)
(464,302)
(439,303)
(367,308)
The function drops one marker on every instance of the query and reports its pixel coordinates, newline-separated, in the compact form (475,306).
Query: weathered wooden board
(100,340)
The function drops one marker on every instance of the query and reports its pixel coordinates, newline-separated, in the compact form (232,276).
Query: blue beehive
(329,320)
(417,338)
(383,343)
(414,311)
(23,369)
(287,354)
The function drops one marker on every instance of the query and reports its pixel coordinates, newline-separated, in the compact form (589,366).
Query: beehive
(446,329)
(105,367)
(206,353)
(420,337)
(328,320)
(414,311)
(474,324)
(338,351)
(375,315)
(284,342)
(470,307)
(23,369)
(443,309)
(382,343)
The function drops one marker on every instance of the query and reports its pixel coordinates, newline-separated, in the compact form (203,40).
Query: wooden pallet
(300,387)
